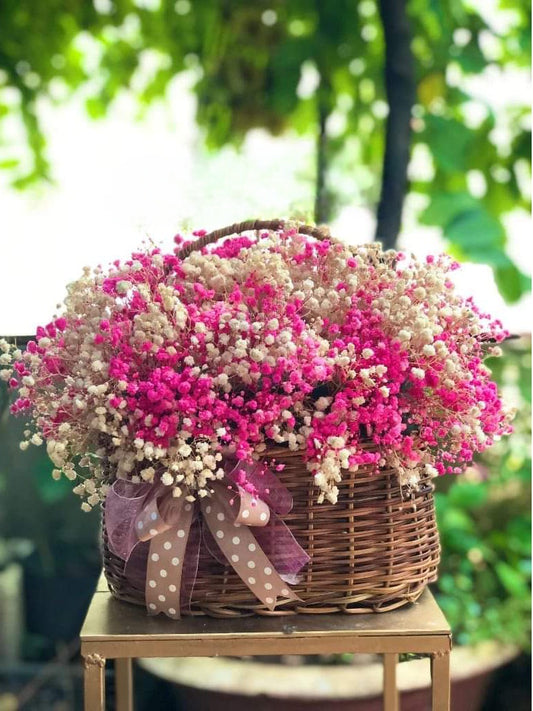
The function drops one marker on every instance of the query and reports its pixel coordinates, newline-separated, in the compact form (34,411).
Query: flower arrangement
(160,365)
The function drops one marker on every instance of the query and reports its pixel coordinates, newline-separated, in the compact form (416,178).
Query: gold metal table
(119,631)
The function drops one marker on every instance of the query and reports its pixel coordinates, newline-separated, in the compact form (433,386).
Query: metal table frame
(123,632)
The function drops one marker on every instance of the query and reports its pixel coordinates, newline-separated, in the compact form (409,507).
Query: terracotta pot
(220,684)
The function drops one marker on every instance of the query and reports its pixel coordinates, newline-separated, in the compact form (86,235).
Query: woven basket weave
(376,549)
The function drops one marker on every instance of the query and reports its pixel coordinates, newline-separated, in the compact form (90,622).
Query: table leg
(390,689)
(440,681)
(124,685)
(94,682)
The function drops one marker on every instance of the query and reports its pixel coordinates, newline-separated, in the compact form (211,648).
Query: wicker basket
(376,549)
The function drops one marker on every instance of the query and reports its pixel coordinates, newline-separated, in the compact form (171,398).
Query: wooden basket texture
(376,549)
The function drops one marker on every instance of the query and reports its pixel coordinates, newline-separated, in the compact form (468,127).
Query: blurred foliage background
(371,82)
(396,98)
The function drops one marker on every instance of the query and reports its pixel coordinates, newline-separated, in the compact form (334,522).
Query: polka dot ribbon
(229,514)
(166,524)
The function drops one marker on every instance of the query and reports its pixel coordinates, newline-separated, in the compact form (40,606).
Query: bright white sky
(118,181)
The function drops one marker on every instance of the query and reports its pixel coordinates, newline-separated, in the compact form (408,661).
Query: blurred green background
(407,122)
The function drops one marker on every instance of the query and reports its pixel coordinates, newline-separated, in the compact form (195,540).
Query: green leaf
(286,64)
(25,181)
(455,520)
(479,236)
(9,163)
(304,116)
(448,140)
(471,59)
(468,495)
(512,580)
(442,207)
(511,282)
(95,107)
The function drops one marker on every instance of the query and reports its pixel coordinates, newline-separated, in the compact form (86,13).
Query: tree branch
(401,91)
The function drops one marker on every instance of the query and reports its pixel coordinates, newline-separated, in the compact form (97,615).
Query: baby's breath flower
(157,369)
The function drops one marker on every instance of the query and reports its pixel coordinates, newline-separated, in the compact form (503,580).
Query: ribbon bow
(236,527)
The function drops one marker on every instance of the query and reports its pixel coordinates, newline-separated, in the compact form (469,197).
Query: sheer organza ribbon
(159,537)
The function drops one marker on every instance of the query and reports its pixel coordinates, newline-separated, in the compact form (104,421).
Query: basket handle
(320,233)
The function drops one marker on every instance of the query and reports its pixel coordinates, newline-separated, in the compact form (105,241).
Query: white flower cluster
(187,468)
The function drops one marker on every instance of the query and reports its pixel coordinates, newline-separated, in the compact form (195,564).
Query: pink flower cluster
(159,366)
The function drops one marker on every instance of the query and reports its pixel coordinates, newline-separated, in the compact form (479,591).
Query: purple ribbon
(159,537)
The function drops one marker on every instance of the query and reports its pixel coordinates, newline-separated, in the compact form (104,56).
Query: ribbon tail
(165,566)
(243,552)
(209,542)
(190,566)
